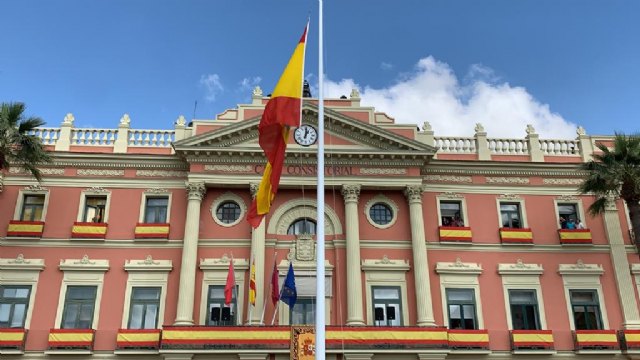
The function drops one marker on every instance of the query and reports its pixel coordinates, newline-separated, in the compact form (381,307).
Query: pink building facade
(437,247)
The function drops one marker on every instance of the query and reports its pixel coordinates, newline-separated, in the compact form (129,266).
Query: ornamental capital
(350,192)
(413,193)
(195,190)
(253,188)
(611,203)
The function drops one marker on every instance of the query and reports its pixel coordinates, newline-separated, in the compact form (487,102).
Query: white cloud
(432,92)
(386,66)
(249,83)
(213,86)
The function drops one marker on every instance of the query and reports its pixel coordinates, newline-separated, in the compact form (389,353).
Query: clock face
(306,135)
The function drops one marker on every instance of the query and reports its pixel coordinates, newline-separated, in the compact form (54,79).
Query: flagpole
(320,300)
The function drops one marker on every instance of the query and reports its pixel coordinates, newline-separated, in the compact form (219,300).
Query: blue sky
(503,63)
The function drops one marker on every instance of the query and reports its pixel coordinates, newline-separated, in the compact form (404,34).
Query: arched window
(302,226)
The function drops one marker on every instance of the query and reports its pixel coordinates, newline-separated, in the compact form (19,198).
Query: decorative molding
(253,189)
(350,192)
(35,188)
(44,171)
(502,171)
(257,91)
(222,264)
(181,121)
(507,180)
(580,268)
(195,190)
(520,268)
(22,264)
(292,210)
(229,168)
(509,197)
(68,119)
(84,264)
(611,205)
(148,264)
(97,189)
(385,264)
(635,269)
(161,173)
(458,267)
(384,200)
(568,198)
(100,172)
(451,195)
(156,190)
(563,181)
(383,171)
(449,178)
(413,193)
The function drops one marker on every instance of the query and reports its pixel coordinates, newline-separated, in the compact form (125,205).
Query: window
(155,210)
(228,212)
(32,208)
(145,303)
(524,310)
(302,226)
(303,312)
(451,213)
(461,305)
(381,213)
(94,209)
(386,305)
(14,301)
(510,215)
(79,305)
(568,215)
(217,312)
(586,309)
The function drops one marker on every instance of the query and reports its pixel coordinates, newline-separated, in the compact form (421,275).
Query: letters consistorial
(196,190)
(350,192)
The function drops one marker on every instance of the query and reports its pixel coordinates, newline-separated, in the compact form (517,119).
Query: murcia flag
(282,112)
(229,287)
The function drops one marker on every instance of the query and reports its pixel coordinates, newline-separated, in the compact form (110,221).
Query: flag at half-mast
(281,112)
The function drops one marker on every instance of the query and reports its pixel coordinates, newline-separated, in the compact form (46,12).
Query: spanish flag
(281,113)
(252,284)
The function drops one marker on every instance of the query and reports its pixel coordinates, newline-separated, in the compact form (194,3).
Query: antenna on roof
(195,106)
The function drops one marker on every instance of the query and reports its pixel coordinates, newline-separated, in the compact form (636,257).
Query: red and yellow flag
(252,284)
(282,112)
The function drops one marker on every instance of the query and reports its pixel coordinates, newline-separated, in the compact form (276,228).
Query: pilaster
(351,194)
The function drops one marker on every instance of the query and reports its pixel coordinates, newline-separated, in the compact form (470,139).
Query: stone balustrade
(151,138)
(93,137)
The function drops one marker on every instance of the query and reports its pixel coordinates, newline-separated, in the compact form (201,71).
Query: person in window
(571,224)
(580,225)
(563,222)
(457,221)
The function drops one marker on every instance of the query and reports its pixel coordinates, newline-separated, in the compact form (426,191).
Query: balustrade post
(533,143)
(122,141)
(180,126)
(585,143)
(482,145)
(64,141)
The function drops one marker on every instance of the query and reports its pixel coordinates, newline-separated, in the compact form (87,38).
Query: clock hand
(306,131)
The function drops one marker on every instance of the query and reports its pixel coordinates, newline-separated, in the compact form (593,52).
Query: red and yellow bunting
(596,338)
(89,230)
(532,338)
(272,337)
(469,339)
(575,236)
(12,338)
(458,234)
(25,228)
(152,231)
(398,338)
(71,338)
(136,339)
(516,236)
(632,339)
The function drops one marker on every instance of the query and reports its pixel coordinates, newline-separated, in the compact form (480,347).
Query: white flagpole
(320,300)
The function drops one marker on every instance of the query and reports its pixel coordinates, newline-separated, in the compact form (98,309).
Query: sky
(555,64)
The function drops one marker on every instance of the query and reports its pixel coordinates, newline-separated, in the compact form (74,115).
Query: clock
(305,135)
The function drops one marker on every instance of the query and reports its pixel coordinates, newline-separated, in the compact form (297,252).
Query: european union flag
(289,294)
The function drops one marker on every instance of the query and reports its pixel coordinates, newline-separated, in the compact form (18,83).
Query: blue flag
(289,294)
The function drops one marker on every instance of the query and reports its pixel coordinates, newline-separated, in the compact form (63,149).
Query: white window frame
(94,192)
(21,271)
(81,272)
(521,276)
(573,201)
(581,276)
(384,200)
(386,273)
(32,190)
(156,194)
(305,271)
(228,196)
(215,272)
(146,273)
(512,200)
(459,275)
(453,197)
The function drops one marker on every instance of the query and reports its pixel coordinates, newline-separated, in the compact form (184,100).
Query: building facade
(437,247)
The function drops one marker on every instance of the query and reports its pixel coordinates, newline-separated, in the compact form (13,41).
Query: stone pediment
(343,135)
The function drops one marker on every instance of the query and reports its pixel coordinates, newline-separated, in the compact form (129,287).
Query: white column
(620,262)
(424,304)
(351,193)
(186,295)
(257,249)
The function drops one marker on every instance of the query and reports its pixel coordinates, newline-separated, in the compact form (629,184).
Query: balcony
(12,340)
(470,340)
(455,234)
(532,341)
(25,228)
(630,341)
(71,341)
(89,230)
(152,231)
(129,339)
(575,236)
(596,341)
(516,236)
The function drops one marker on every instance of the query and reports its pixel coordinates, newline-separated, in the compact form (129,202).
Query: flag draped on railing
(281,112)
(252,284)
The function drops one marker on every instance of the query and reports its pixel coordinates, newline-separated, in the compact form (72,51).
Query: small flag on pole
(230,286)
(289,294)
(252,284)
(275,288)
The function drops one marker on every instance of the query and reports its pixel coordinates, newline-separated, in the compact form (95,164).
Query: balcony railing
(468,339)
(143,339)
(152,231)
(455,234)
(596,340)
(575,236)
(71,339)
(12,340)
(89,230)
(531,340)
(516,236)
(25,228)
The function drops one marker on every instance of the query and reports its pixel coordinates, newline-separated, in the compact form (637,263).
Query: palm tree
(616,173)
(17,145)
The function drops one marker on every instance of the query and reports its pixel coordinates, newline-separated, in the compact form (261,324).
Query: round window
(381,213)
(228,212)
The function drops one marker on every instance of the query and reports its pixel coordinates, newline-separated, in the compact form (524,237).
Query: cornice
(117,161)
(462,167)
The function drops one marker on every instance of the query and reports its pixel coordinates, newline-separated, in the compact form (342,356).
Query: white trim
(582,276)
(295,209)
(21,271)
(94,192)
(215,272)
(386,272)
(154,194)
(635,270)
(146,273)
(228,196)
(521,276)
(31,191)
(459,275)
(453,197)
(386,201)
(512,200)
(573,201)
(81,272)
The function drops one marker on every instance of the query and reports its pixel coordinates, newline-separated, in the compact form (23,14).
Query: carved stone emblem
(305,248)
